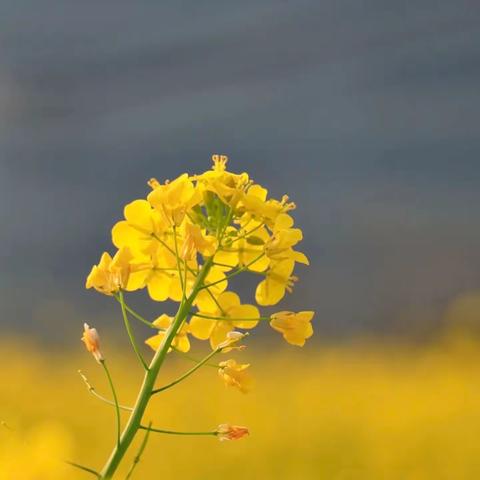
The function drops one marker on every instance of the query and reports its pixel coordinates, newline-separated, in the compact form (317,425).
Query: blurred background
(366,113)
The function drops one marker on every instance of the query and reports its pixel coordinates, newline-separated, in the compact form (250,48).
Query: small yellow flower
(236,375)
(196,242)
(255,205)
(232,314)
(180,342)
(229,187)
(141,225)
(278,280)
(91,339)
(232,338)
(279,246)
(231,432)
(111,274)
(295,327)
(174,199)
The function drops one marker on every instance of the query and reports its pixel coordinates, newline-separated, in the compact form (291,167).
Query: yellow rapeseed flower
(236,375)
(141,225)
(111,274)
(180,342)
(227,315)
(174,199)
(295,327)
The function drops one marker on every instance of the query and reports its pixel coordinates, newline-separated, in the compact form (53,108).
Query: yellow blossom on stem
(278,280)
(185,242)
(229,187)
(174,199)
(228,314)
(226,431)
(91,339)
(180,342)
(111,274)
(236,375)
(141,225)
(295,327)
(196,242)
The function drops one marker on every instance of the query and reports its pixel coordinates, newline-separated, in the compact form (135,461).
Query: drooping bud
(91,339)
(231,432)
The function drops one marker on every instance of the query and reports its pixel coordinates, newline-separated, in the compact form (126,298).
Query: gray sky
(365,113)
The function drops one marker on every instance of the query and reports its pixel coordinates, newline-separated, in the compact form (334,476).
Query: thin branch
(85,469)
(92,390)
(130,331)
(136,315)
(236,272)
(232,319)
(188,372)
(172,432)
(114,393)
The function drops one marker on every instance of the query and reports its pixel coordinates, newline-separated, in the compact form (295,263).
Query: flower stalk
(134,422)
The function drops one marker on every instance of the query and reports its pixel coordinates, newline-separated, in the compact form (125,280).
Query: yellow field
(359,411)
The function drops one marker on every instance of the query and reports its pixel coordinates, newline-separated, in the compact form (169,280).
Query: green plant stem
(115,399)
(183,285)
(151,375)
(133,313)
(188,372)
(232,319)
(85,469)
(130,331)
(138,456)
(236,272)
(92,390)
(172,432)
(193,359)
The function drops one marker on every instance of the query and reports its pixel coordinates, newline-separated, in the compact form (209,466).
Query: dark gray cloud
(366,114)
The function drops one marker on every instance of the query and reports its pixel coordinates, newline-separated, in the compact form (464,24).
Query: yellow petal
(219,333)
(159,286)
(244,311)
(201,328)
(155,341)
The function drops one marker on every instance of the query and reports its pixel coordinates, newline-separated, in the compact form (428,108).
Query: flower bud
(91,339)
(231,432)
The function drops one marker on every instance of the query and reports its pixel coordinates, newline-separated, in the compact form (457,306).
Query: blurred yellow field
(362,411)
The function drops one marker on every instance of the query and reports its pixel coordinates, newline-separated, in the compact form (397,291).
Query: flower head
(91,339)
(231,432)
(174,199)
(111,274)
(227,314)
(295,327)
(196,242)
(180,341)
(236,375)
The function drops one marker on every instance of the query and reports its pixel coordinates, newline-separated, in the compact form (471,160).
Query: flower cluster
(184,243)
(225,217)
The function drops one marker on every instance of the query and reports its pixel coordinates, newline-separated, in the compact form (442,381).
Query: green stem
(193,359)
(187,373)
(172,432)
(236,272)
(85,469)
(233,319)
(246,234)
(151,375)
(183,285)
(130,331)
(92,390)
(133,313)
(138,456)
(115,399)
